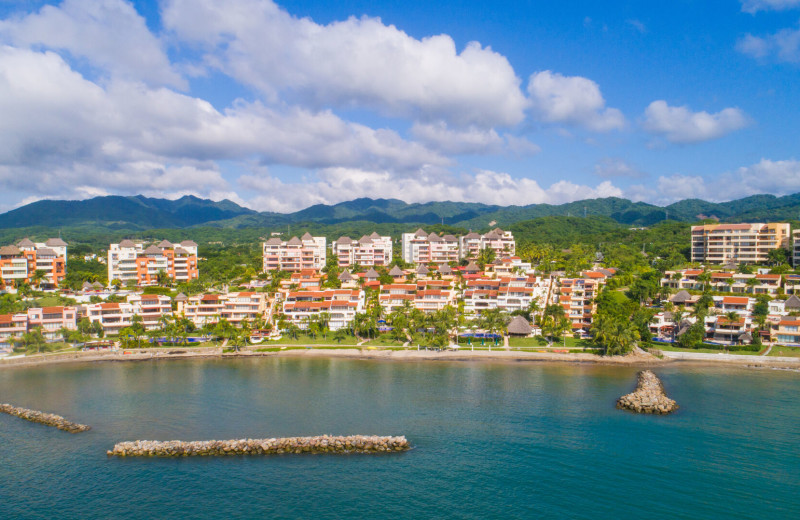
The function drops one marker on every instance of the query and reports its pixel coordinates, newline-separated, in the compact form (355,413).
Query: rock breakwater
(317,444)
(649,396)
(48,419)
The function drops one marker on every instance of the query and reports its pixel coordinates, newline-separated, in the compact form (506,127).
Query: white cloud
(471,140)
(681,125)
(766,176)
(110,34)
(610,168)
(572,100)
(753,6)
(638,25)
(357,62)
(59,129)
(334,185)
(784,45)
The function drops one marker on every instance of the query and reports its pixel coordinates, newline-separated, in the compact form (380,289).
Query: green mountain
(137,212)
(142,213)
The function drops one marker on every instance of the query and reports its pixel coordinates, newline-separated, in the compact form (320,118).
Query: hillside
(116,213)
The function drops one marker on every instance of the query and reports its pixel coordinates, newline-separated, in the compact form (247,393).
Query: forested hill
(139,212)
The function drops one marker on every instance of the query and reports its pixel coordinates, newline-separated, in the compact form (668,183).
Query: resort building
(787,331)
(134,264)
(796,248)
(40,263)
(723,281)
(577,297)
(295,254)
(340,305)
(508,293)
(499,241)
(152,308)
(235,307)
(397,296)
(424,248)
(737,243)
(113,317)
(369,251)
(50,320)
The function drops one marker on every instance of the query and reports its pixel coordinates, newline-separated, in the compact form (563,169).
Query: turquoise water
(491,441)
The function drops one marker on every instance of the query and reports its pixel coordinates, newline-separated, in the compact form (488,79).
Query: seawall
(317,444)
(48,419)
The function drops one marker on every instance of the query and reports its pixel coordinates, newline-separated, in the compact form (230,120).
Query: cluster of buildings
(420,247)
(731,320)
(577,297)
(44,263)
(742,243)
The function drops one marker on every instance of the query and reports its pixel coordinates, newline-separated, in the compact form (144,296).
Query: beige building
(295,254)
(373,250)
(737,243)
(501,242)
(424,248)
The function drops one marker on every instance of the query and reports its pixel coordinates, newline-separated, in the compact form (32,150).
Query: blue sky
(279,106)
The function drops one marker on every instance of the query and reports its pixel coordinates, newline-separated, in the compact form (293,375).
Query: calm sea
(491,441)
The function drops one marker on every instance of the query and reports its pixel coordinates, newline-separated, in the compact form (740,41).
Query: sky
(281,105)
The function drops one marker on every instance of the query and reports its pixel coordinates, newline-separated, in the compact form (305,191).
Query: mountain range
(139,212)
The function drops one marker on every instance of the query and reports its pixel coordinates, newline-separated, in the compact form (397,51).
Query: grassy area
(303,339)
(539,341)
(671,348)
(784,351)
(383,341)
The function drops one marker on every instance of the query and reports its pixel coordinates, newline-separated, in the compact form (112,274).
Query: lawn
(303,339)
(539,341)
(384,340)
(784,351)
(670,348)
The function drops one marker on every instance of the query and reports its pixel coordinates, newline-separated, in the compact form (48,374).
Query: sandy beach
(638,359)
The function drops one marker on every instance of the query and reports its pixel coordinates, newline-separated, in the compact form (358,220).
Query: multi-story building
(341,305)
(508,293)
(737,243)
(19,263)
(50,320)
(133,264)
(787,331)
(796,248)
(113,317)
(235,307)
(152,308)
(395,296)
(423,248)
(723,281)
(577,297)
(501,242)
(295,254)
(372,250)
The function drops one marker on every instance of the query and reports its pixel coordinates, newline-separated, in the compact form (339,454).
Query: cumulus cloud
(766,176)
(471,140)
(610,168)
(753,6)
(333,185)
(681,125)
(784,45)
(572,100)
(357,62)
(109,34)
(58,125)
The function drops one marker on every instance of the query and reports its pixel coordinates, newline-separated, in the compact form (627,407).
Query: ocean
(491,440)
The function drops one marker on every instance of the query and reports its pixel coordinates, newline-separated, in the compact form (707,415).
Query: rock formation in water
(649,396)
(318,444)
(48,419)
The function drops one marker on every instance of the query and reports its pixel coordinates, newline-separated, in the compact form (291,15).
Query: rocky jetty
(48,419)
(318,444)
(649,396)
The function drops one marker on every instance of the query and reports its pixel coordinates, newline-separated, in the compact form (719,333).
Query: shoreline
(643,360)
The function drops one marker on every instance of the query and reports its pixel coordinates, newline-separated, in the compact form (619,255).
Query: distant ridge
(139,212)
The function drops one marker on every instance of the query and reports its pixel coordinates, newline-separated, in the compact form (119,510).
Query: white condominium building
(423,248)
(737,243)
(373,250)
(132,263)
(296,254)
